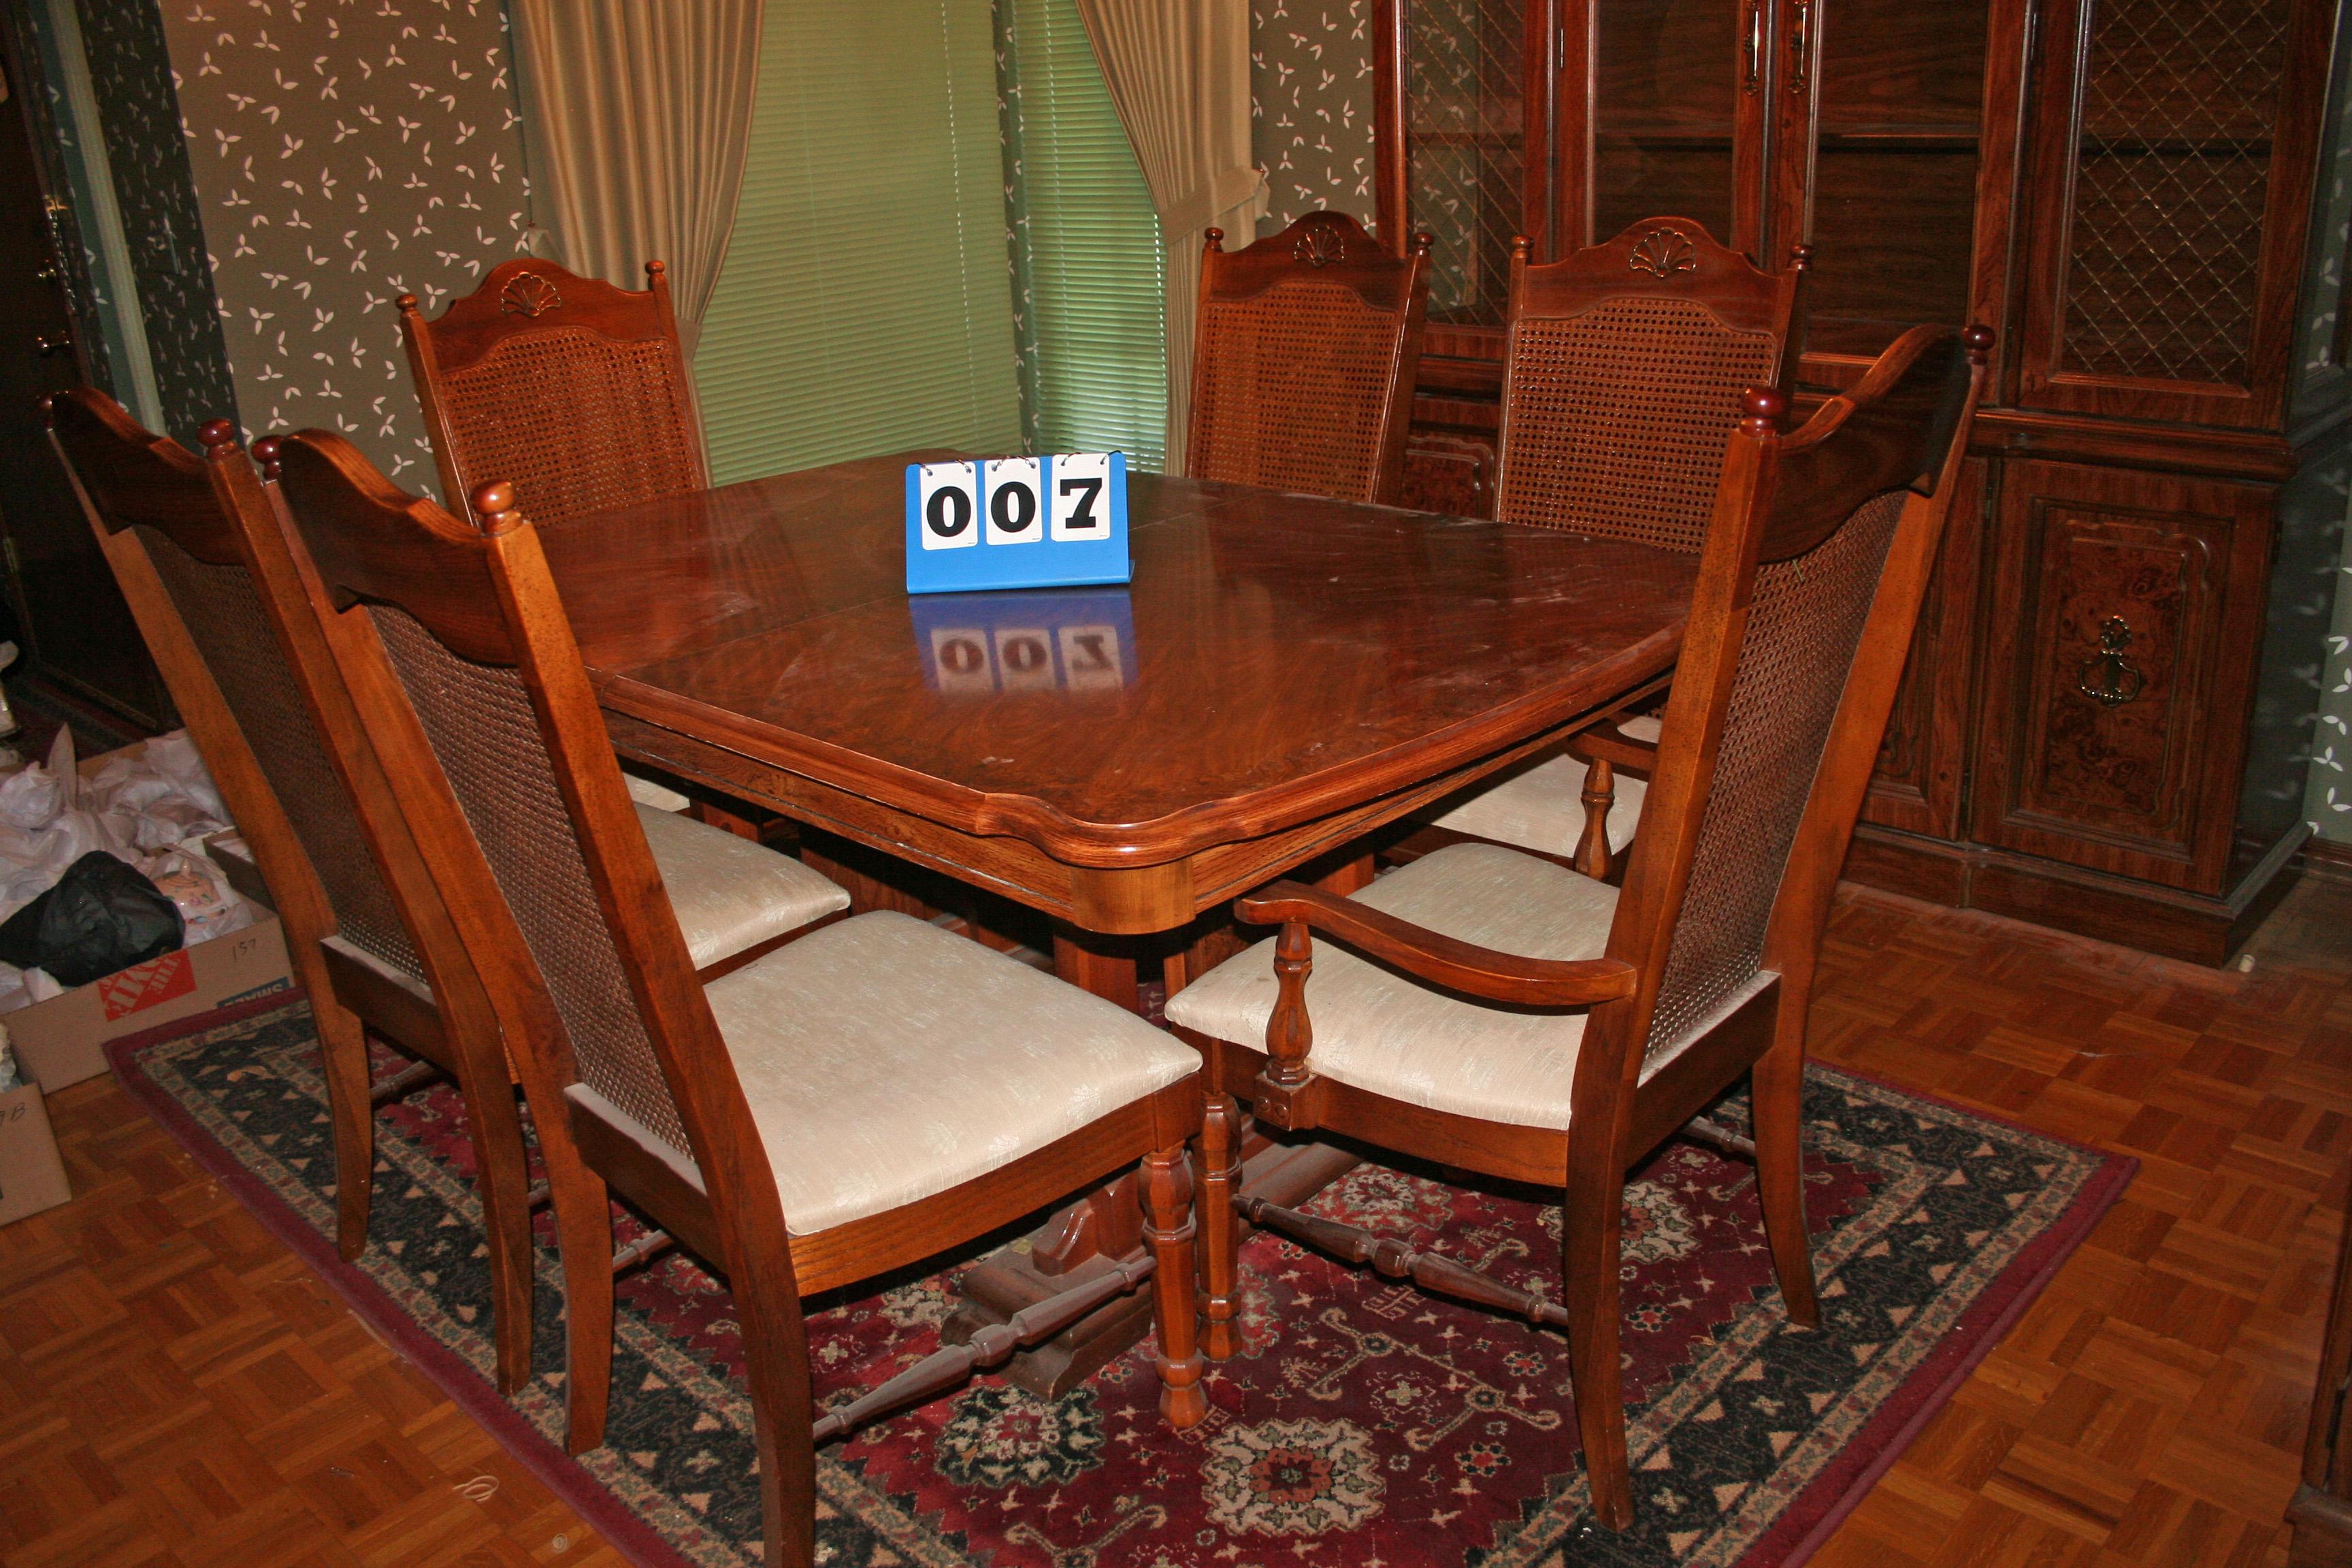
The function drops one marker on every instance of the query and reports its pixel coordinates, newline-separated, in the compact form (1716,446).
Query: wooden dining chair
(866,1097)
(1304,356)
(1511,1017)
(1624,366)
(573,391)
(188,542)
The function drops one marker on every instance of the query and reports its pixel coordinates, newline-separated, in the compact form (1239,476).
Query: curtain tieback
(1199,207)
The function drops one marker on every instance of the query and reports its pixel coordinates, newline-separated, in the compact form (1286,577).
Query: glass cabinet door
(1896,111)
(1673,82)
(1465,135)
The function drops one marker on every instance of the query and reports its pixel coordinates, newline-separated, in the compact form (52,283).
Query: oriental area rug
(1364,1425)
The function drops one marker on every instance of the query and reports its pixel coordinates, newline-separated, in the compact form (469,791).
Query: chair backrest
(574,391)
(1304,356)
(169,525)
(1808,592)
(1622,378)
(456,650)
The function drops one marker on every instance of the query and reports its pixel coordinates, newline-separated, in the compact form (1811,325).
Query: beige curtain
(1179,71)
(638,113)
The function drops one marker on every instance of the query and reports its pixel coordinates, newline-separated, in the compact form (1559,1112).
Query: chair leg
(1777,1098)
(1167,1190)
(502,1180)
(344,1057)
(1593,853)
(1221,1179)
(1592,1224)
(583,1235)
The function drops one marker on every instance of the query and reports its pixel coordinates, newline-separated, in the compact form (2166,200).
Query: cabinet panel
(1916,785)
(2124,609)
(1470,131)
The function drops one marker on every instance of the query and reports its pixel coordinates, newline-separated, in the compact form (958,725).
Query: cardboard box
(63,1040)
(32,1177)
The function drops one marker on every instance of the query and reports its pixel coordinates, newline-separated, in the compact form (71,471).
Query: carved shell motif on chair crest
(1320,246)
(529,294)
(1663,252)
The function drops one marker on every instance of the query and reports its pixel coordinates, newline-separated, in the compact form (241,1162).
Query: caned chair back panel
(506,756)
(479,720)
(1801,548)
(1305,352)
(224,615)
(574,391)
(160,493)
(1623,380)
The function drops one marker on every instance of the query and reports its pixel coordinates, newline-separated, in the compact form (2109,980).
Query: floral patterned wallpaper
(148,158)
(2328,800)
(1312,107)
(346,151)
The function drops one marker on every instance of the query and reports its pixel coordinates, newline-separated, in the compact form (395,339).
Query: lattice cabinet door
(2170,181)
(1463,91)
(2123,632)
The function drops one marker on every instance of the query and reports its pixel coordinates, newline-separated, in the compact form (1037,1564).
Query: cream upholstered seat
(731,894)
(885,1060)
(1542,807)
(1377,1030)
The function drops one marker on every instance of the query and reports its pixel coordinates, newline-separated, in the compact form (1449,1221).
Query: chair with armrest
(866,1097)
(1513,1018)
(1622,377)
(573,391)
(1303,358)
(275,726)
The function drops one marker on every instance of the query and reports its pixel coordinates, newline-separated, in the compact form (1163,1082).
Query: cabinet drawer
(2124,614)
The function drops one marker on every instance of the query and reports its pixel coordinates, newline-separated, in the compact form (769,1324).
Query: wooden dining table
(1284,676)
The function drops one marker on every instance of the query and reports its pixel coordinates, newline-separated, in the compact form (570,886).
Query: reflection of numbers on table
(961,655)
(1012,485)
(1090,659)
(948,494)
(1024,660)
(1081,496)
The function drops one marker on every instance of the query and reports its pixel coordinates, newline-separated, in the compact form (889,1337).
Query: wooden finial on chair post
(264,452)
(1979,339)
(406,304)
(219,438)
(1761,408)
(655,271)
(1421,242)
(494,506)
(1800,257)
(1523,249)
(1214,240)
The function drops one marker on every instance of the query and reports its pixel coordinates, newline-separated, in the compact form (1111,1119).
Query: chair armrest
(1605,743)
(1443,959)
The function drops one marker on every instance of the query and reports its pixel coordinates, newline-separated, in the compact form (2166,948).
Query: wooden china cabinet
(2107,709)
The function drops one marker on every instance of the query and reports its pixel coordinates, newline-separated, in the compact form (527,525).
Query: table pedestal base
(1049,1261)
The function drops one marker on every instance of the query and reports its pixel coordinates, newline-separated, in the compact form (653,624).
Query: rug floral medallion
(1363,1426)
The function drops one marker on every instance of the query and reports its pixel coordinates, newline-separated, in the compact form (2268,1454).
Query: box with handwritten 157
(1054,522)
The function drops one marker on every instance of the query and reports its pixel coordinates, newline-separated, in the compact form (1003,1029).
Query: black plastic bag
(101,917)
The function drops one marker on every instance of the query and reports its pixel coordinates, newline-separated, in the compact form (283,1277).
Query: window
(863,307)
(1088,287)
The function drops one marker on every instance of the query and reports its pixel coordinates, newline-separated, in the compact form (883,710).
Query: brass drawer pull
(2109,676)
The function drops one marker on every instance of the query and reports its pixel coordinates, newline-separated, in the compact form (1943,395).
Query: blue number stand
(1017,522)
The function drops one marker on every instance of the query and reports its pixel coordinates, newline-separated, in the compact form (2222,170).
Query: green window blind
(1086,245)
(863,307)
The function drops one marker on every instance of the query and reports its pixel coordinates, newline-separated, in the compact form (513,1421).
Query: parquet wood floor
(176,1390)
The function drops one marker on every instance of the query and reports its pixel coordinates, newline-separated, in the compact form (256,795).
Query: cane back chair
(574,391)
(1625,365)
(1526,1022)
(275,726)
(867,1096)
(1304,356)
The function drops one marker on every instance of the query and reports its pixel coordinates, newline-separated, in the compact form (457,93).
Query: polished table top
(1276,657)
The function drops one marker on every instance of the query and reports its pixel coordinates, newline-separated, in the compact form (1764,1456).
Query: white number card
(948,504)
